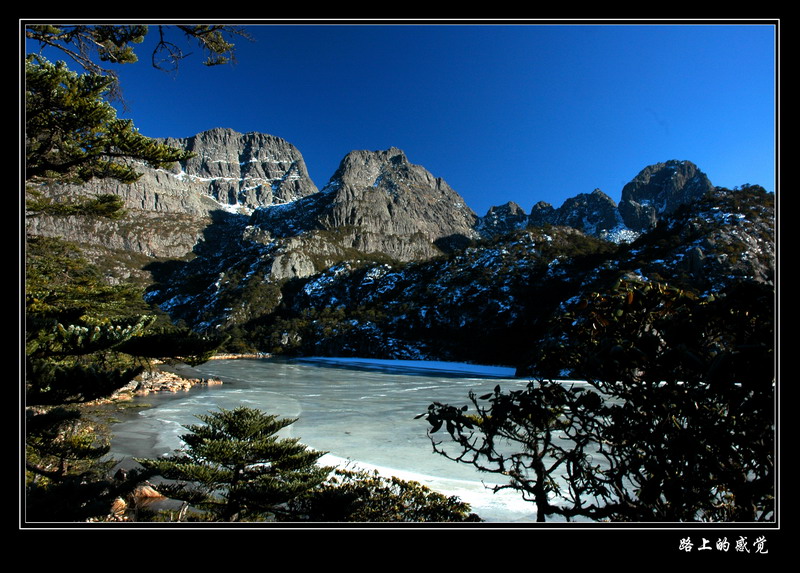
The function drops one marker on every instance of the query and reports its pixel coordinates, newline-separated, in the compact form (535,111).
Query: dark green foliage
(63,443)
(61,285)
(53,383)
(87,45)
(359,496)
(237,468)
(76,498)
(74,327)
(72,133)
(87,336)
(684,430)
(111,43)
(104,205)
(75,362)
(67,477)
(76,324)
(174,343)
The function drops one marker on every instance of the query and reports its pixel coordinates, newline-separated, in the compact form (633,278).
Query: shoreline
(224,356)
(168,378)
(442,367)
(155,382)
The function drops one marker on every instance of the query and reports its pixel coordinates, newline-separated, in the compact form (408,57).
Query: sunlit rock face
(379,202)
(244,171)
(168,212)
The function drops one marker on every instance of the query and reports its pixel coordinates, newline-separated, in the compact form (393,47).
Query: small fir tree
(235,467)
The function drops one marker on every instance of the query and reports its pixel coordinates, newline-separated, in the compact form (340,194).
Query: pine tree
(237,468)
(72,135)
(77,326)
(84,340)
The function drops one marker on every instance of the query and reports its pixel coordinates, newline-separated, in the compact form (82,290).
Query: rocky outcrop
(156,381)
(239,239)
(502,219)
(378,202)
(243,171)
(153,234)
(659,190)
(543,213)
(171,212)
(230,171)
(383,192)
(487,302)
(377,206)
(591,213)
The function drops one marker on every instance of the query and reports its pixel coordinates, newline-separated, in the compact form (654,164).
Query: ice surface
(359,411)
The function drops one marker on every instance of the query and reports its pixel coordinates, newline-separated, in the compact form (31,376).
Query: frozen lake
(358,411)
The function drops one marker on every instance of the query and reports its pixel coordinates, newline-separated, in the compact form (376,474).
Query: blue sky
(521,112)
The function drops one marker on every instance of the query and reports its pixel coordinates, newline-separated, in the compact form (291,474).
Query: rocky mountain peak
(367,168)
(383,194)
(247,170)
(660,189)
(657,191)
(377,207)
(502,219)
(170,211)
(379,202)
(592,213)
(247,234)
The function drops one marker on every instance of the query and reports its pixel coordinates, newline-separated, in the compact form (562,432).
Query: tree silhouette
(675,421)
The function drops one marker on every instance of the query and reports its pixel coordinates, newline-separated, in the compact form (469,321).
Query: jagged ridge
(394,256)
(657,191)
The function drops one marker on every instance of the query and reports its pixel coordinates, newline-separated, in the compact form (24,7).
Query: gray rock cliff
(239,239)
(377,206)
(244,171)
(168,211)
(659,190)
(378,202)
